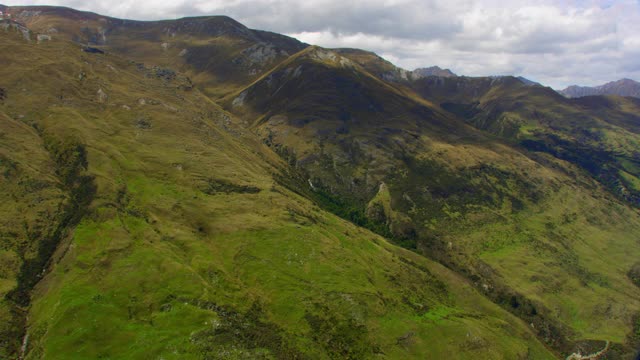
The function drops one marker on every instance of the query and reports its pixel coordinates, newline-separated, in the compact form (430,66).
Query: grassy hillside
(512,221)
(598,134)
(203,190)
(177,237)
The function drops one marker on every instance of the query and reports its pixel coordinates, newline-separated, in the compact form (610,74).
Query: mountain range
(622,87)
(195,189)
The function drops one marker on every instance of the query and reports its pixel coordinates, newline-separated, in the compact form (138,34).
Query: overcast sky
(554,42)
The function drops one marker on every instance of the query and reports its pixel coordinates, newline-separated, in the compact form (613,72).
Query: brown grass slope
(216,52)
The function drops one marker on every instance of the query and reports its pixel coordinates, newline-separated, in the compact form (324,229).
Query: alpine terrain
(195,189)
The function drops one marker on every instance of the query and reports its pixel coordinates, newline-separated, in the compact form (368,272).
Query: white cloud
(555,42)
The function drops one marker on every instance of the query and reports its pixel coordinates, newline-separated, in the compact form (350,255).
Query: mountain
(163,223)
(432,71)
(622,87)
(452,191)
(217,52)
(205,190)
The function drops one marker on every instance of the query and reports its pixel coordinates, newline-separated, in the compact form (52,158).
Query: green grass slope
(537,234)
(181,241)
(29,210)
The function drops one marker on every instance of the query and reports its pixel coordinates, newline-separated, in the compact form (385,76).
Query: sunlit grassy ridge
(190,248)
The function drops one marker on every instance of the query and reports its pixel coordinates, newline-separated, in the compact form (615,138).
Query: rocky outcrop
(7,25)
(101,96)
(595,356)
(431,71)
(43,37)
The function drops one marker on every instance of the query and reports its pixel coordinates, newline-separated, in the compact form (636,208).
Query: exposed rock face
(7,25)
(29,13)
(323,55)
(260,53)
(622,87)
(575,91)
(239,101)
(42,37)
(101,96)
(397,75)
(432,71)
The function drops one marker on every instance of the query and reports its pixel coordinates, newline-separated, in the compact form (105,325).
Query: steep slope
(30,213)
(375,65)
(591,132)
(190,238)
(216,52)
(320,99)
(513,221)
(185,242)
(385,70)
(622,87)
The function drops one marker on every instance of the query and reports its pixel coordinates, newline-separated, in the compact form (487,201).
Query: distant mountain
(432,71)
(521,79)
(622,87)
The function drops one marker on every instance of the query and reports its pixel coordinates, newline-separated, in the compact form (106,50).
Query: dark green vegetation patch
(215,186)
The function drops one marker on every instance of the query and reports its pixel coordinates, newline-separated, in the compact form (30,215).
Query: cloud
(558,43)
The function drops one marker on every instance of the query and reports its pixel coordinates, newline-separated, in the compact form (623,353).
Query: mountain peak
(433,71)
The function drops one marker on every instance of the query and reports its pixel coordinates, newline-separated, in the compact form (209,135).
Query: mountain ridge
(433,71)
(235,261)
(622,87)
(265,188)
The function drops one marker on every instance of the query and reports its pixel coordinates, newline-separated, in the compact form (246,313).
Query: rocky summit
(195,189)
